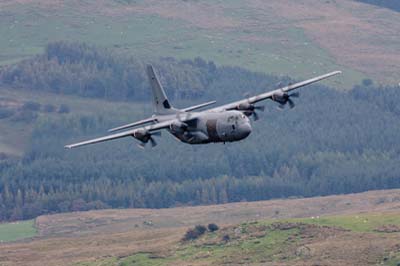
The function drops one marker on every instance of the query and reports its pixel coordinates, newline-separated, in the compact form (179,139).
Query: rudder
(160,101)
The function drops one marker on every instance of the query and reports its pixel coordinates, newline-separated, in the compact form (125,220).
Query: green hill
(281,37)
(359,229)
(283,242)
(335,141)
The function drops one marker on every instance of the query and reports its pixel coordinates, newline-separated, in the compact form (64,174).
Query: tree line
(72,68)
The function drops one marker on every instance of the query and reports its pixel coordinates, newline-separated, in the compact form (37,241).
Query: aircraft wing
(271,94)
(127,133)
(138,123)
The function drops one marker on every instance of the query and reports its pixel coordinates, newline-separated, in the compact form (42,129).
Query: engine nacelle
(250,109)
(245,107)
(142,135)
(178,127)
(280,97)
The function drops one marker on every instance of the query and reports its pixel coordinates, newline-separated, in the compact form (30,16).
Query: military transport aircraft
(226,123)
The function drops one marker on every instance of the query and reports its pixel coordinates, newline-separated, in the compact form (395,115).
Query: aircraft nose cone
(245,129)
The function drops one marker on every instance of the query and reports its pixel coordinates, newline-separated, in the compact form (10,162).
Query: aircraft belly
(192,137)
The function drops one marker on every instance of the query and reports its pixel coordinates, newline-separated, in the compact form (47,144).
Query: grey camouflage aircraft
(226,123)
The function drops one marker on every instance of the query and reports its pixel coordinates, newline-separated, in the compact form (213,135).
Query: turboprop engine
(145,136)
(178,127)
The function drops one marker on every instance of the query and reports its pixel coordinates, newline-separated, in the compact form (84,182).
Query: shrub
(367,82)
(25,116)
(226,238)
(4,113)
(194,233)
(31,106)
(49,108)
(201,229)
(64,109)
(212,227)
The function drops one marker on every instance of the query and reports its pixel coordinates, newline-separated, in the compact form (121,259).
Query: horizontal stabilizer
(195,107)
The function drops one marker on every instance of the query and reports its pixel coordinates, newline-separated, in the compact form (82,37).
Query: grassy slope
(17,230)
(15,135)
(355,223)
(258,35)
(254,243)
(279,36)
(123,237)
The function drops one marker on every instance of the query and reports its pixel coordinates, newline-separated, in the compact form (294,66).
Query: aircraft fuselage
(211,127)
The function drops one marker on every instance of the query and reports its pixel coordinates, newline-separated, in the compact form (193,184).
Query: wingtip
(333,73)
(67,147)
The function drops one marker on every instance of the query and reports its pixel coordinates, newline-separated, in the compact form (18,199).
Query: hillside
(332,142)
(357,229)
(70,70)
(282,37)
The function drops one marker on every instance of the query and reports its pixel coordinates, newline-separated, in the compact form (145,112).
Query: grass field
(279,37)
(358,229)
(16,134)
(269,241)
(17,230)
(356,223)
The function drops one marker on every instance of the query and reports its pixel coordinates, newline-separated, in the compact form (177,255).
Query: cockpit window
(236,118)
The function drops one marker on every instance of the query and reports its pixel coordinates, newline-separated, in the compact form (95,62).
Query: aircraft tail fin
(160,101)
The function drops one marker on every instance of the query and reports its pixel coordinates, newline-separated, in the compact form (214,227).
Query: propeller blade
(295,94)
(153,142)
(141,145)
(255,116)
(281,107)
(291,104)
(157,134)
(260,108)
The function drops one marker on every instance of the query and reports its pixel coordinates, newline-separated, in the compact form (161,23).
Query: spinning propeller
(145,137)
(284,98)
(250,109)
